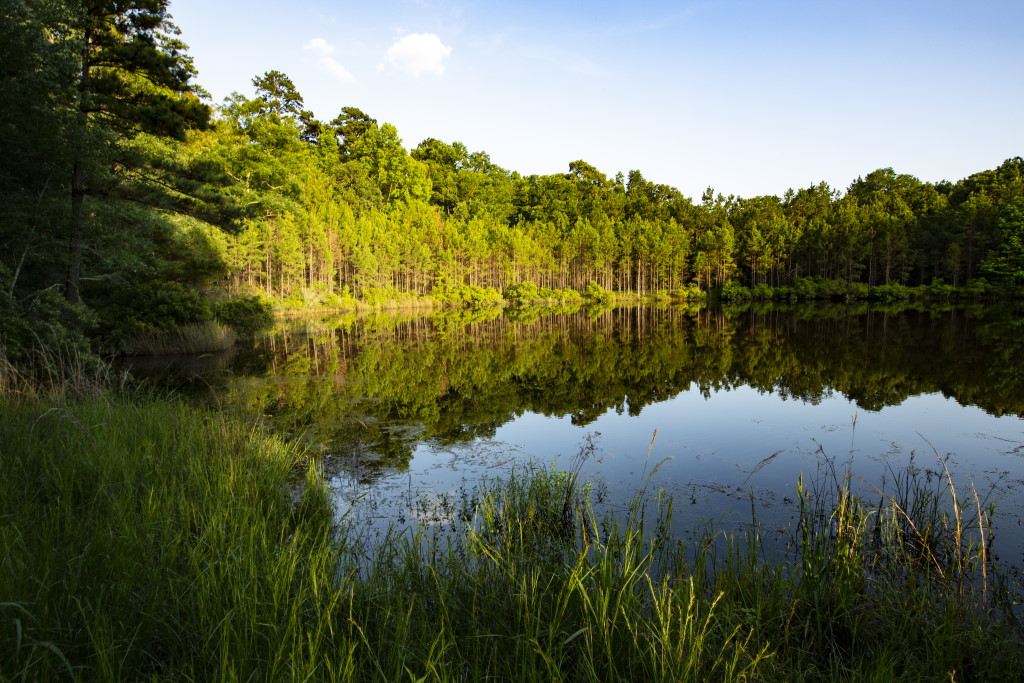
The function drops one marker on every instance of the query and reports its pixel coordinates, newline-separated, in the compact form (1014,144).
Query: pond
(722,409)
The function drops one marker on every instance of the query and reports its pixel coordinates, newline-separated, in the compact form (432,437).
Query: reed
(57,373)
(207,337)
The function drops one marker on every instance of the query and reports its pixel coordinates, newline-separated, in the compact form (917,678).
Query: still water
(722,409)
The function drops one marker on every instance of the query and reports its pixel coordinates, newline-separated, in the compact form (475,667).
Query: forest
(147,537)
(132,204)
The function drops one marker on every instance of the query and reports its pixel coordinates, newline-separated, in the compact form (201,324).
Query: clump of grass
(902,587)
(206,337)
(148,539)
(56,373)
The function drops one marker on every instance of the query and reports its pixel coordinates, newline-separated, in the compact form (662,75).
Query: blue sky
(748,97)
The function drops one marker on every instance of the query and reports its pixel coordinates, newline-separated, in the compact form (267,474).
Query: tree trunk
(71,289)
(77,233)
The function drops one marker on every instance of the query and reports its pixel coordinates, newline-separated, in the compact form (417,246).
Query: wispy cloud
(326,63)
(320,46)
(419,53)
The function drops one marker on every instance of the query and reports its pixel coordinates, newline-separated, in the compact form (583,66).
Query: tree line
(343,208)
(127,194)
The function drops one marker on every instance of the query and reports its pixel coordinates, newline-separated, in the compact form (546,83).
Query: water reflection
(409,405)
(377,386)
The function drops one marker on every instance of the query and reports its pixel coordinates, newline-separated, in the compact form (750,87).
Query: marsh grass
(57,373)
(145,539)
(206,337)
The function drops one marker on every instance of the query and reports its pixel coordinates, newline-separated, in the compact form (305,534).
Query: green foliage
(169,304)
(690,292)
(529,294)
(1006,260)
(468,295)
(977,287)
(734,291)
(246,314)
(938,289)
(522,293)
(762,292)
(146,308)
(46,321)
(857,291)
(596,293)
(890,292)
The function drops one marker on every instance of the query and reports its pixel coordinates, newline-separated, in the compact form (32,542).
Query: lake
(722,409)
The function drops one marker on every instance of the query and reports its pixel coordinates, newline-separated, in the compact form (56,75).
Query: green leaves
(1006,260)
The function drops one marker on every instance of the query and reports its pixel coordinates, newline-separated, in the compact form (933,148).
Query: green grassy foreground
(145,539)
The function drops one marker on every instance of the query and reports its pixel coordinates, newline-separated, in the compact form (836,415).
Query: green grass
(205,337)
(146,539)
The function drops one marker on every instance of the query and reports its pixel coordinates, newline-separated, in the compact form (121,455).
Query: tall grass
(206,337)
(57,373)
(145,539)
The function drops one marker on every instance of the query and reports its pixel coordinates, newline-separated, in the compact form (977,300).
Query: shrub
(475,297)
(978,286)
(804,288)
(595,292)
(858,291)
(140,308)
(522,293)
(563,295)
(892,291)
(688,292)
(246,314)
(734,291)
(47,320)
(938,289)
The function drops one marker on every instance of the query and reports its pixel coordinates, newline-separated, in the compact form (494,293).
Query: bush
(938,289)
(566,295)
(804,288)
(734,291)
(688,292)
(381,296)
(595,292)
(476,297)
(140,308)
(978,286)
(47,322)
(522,293)
(892,291)
(858,291)
(246,314)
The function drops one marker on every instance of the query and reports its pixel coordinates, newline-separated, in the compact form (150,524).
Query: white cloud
(419,53)
(320,47)
(325,62)
(331,66)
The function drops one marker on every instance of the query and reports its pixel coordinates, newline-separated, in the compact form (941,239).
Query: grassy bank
(145,539)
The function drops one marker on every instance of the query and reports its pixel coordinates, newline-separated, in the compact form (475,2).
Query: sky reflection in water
(410,412)
(713,440)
